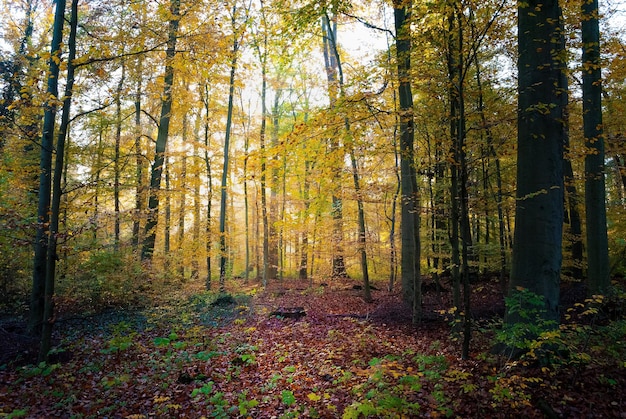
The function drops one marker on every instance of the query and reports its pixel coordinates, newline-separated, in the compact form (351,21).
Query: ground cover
(204,356)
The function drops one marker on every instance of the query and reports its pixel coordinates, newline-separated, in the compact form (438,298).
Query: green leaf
(161,341)
(288,397)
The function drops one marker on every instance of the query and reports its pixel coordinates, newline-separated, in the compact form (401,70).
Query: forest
(312,209)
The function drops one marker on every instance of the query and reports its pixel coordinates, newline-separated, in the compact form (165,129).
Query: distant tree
(542,90)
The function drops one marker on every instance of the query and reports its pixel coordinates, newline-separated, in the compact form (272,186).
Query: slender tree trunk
(207,162)
(224,185)
(183,199)
(195,263)
(246,203)
(139,160)
(454,80)
(393,253)
(573,218)
(162,135)
(492,152)
(264,212)
(362,234)
(459,193)
(96,194)
(595,189)
(55,210)
(304,243)
(116,161)
(37,300)
(274,238)
(168,212)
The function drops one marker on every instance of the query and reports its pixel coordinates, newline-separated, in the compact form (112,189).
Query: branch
(81,114)
(370,25)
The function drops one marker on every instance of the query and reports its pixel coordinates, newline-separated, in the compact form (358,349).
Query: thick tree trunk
(541,135)
(595,192)
(410,252)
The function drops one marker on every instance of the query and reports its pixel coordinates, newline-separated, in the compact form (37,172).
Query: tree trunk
(575,236)
(162,135)
(492,152)
(329,31)
(246,200)
(541,135)
(37,300)
(410,268)
(168,213)
(275,238)
(362,234)
(139,160)
(195,262)
(116,161)
(224,185)
(55,210)
(207,162)
(262,54)
(595,192)
(182,211)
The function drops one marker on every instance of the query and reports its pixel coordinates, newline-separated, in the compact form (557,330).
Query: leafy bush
(105,278)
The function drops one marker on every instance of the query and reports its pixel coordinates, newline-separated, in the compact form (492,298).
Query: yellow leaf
(314,397)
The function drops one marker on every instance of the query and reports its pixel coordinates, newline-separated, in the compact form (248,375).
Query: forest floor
(292,350)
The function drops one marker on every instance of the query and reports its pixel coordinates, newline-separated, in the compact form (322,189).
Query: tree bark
(410,252)
(140,200)
(207,162)
(224,185)
(595,192)
(182,209)
(541,134)
(116,161)
(55,210)
(37,300)
(329,31)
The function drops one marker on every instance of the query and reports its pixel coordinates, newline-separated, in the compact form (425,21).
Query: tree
(595,193)
(410,251)
(329,30)
(229,120)
(331,47)
(542,90)
(55,209)
(36,316)
(163,133)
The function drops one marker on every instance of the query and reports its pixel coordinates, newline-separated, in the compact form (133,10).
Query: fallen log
(289,312)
